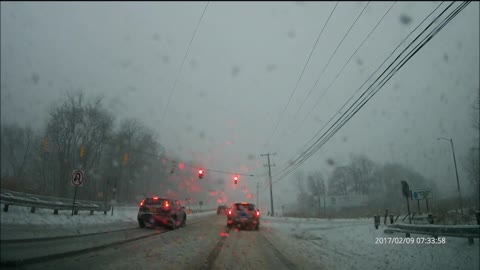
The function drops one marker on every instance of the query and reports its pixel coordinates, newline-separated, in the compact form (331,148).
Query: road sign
(421,194)
(77,178)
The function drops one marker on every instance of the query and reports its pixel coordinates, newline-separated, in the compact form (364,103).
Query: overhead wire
(182,64)
(130,149)
(346,63)
(300,77)
(344,120)
(302,157)
(386,79)
(330,59)
(306,145)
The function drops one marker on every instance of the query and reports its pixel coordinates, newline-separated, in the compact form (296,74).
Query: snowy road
(281,243)
(206,244)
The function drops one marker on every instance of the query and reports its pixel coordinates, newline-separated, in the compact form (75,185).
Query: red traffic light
(235,179)
(200,173)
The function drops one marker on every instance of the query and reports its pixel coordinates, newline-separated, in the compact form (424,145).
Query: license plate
(152,209)
(243,215)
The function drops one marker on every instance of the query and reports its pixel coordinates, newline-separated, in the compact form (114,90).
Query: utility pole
(456,173)
(258,185)
(324,207)
(270,177)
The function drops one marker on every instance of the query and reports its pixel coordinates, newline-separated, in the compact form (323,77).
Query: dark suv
(222,209)
(243,215)
(161,211)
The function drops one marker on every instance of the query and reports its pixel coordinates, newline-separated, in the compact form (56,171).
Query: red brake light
(258,213)
(141,203)
(155,198)
(229,212)
(166,204)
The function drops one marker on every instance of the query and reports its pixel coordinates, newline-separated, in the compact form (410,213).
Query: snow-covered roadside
(19,223)
(351,244)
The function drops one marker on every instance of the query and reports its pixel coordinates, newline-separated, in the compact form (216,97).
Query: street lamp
(456,171)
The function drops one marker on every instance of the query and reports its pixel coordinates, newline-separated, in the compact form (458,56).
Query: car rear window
(151,201)
(248,206)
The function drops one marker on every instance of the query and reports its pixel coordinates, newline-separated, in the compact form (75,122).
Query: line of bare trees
(43,161)
(380,184)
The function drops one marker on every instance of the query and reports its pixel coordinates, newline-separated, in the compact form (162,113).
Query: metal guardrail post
(32,210)
(376,220)
(5,208)
(430,218)
(477,215)
(55,212)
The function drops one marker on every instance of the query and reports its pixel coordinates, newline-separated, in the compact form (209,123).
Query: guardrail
(8,197)
(464,231)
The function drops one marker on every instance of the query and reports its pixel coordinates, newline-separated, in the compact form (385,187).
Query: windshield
(275,135)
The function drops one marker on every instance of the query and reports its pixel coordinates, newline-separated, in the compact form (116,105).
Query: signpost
(77,181)
(406,193)
(421,194)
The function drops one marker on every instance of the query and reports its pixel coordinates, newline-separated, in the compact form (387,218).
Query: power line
(183,62)
(392,72)
(301,75)
(305,156)
(391,54)
(185,164)
(405,59)
(331,57)
(346,63)
(365,83)
(384,81)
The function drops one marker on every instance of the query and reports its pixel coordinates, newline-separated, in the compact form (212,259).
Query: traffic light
(125,159)
(45,144)
(82,151)
(201,173)
(235,179)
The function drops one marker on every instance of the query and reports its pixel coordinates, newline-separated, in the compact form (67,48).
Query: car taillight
(258,213)
(229,212)
(141,203)
(165,204)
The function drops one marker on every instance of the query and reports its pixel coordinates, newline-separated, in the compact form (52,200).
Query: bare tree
(16,148)
(316,186)
(75,124)
(476,114)
(362,170)
(134,158)
(472,167)
(340,182)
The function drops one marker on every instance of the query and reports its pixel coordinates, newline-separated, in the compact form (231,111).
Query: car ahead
(243,215)
(222,209)
(165,212)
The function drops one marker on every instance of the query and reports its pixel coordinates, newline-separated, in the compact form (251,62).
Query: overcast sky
(241,69)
